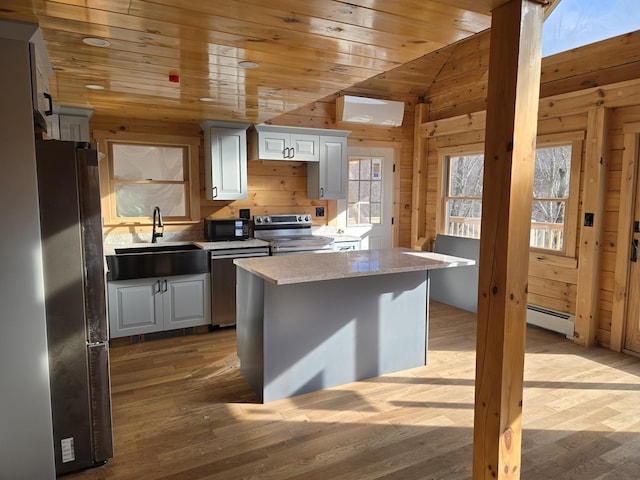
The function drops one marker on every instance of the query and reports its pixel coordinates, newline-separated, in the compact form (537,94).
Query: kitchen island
(313,321)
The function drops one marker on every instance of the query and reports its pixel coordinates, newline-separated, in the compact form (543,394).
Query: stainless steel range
(289,233)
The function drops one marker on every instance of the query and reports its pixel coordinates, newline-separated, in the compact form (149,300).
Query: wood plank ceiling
(305,50)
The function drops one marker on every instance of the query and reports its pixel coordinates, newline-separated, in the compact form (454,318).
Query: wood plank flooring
(182,411)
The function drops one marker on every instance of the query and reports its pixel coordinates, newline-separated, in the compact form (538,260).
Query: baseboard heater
(551,320)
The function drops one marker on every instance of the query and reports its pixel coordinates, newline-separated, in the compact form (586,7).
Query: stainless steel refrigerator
(75,302)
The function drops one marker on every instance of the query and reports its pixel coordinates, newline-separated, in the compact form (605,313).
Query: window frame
(107,139)
(575,139)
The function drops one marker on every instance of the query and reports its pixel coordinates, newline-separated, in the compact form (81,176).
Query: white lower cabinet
(147,305)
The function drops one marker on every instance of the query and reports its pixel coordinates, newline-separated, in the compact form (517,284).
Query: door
(228,163)
(135,307)
(332,167)
(368,210)
(632,317)
(186,301)
(305,147)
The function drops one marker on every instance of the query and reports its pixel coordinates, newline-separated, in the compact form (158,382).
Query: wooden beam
(419,184)
(593,198)
(512,117)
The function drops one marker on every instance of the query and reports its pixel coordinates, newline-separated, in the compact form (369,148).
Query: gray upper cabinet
(225,162)
(327,179)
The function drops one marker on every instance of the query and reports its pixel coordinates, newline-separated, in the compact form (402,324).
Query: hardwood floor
(182,411)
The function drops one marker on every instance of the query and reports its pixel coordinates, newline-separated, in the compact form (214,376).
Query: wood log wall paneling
(452,81)
(605,74)
(281,187)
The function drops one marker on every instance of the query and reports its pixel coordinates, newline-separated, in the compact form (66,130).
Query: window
(364,205)
(140,172)
(463,200)
(555,191)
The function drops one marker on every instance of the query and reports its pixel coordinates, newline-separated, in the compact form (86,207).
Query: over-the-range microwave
(220,229)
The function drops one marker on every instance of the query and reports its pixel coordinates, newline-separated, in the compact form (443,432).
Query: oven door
(310,244)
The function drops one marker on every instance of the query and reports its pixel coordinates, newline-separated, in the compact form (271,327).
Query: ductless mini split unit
(370,111)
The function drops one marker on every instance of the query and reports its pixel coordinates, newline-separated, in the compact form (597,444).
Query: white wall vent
(551,320)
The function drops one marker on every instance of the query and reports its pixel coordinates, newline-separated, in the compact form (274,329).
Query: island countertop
(313,267)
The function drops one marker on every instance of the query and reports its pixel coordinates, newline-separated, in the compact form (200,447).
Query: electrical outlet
(245,213)
(319,211)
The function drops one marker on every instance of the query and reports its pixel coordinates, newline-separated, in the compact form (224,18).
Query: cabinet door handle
(321,192)
(634,250)
(158,285)
(293,152)
(214,192)
(165,287)
(49,110)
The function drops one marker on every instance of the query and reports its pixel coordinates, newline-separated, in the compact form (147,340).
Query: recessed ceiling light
(247,64)
(93,86)
(96,42)
(207,99)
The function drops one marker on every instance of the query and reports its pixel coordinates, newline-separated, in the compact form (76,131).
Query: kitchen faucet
(155,234)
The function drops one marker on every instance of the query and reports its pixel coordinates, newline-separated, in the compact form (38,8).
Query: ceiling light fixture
(247,64)
(207,99)
(93,86)
(96,42)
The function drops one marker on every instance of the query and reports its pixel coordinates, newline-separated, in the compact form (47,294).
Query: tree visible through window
(551,188)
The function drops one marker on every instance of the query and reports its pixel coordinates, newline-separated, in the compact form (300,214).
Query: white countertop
(313,267)
(109,249)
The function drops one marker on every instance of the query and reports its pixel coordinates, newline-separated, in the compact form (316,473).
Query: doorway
(368,210)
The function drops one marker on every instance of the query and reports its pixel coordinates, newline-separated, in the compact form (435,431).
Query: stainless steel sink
(157,261)
(157,248)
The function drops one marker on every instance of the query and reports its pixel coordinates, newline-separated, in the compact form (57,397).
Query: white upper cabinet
(225,162)
(70,123)
(327,179)
(325,151)
(271,142)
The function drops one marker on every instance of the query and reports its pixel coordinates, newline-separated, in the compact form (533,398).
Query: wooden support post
(419,185)
(511,127)
(594,192)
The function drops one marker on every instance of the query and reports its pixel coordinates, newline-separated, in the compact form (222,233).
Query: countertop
(313,267)
(109,249)
(249,243)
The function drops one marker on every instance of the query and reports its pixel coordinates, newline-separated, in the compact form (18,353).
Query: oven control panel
(289,220)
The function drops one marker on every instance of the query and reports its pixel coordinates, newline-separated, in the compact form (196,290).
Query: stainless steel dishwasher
(223,282)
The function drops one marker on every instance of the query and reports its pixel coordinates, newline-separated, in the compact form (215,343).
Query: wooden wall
(278,186)
(573,84)
(452,84)
(321,114)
